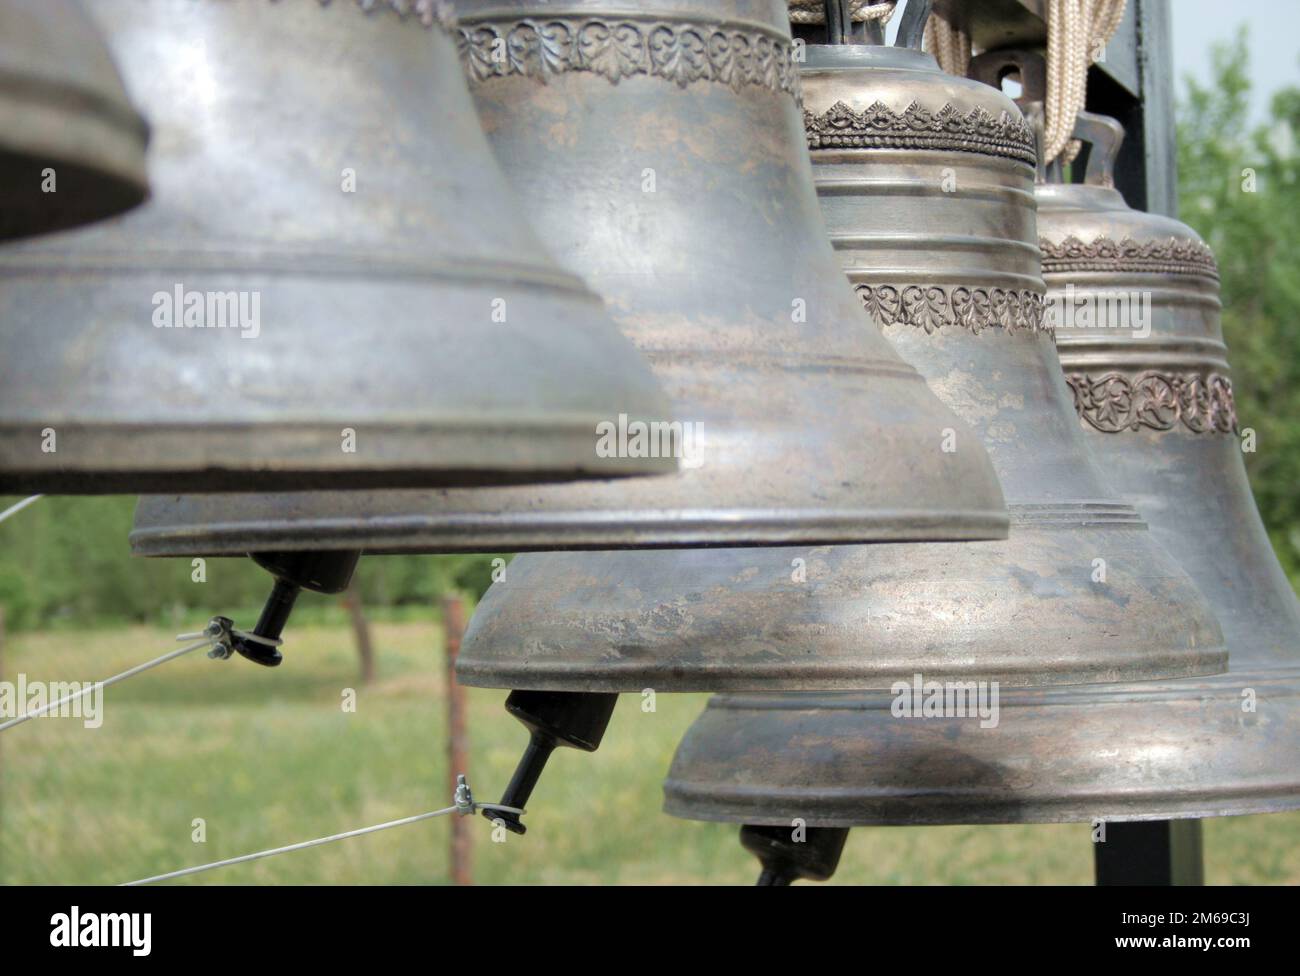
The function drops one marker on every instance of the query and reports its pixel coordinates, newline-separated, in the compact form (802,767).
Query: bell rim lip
(1202,687)
(557,449)
(99,139)
(829,643)
(614,529)
(1169,804)
(934,806)
(62,95)
(604,677)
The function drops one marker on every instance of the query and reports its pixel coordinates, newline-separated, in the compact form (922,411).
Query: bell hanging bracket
(322,572)
(553,718)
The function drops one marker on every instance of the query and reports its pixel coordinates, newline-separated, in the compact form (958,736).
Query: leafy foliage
(66,560)
(1238,188)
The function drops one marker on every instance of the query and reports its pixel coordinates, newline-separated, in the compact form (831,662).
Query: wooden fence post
(351,599)
(453,627)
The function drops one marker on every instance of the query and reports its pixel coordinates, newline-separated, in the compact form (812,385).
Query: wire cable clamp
(221,633)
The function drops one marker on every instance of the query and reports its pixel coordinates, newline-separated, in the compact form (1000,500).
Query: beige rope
(814,11)
(950,45)
(1077,31)
(1107,15)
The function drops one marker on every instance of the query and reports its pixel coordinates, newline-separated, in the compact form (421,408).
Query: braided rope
(1077,32)
(860,11)
(950,45)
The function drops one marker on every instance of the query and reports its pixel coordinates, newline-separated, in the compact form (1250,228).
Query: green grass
(268,757)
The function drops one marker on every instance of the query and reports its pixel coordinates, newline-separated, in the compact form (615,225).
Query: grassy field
(268,758)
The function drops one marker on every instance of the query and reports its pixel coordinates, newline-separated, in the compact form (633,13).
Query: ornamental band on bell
(1156,400)
(948,129)
(679,51)
(931,307)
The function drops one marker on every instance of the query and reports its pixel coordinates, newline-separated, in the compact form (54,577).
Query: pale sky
(1273,42)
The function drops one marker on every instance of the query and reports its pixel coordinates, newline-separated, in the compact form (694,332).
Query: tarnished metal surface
(71,144)
(1023,612)
(1140,751)
(659,152)
(1202,747)
(948,211)
(330,248)
(1160,411)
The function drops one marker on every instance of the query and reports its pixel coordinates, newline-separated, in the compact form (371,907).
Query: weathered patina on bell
(659,152)
(934,224)
(332,284)
(966,309)
(1154,396)
(72,147)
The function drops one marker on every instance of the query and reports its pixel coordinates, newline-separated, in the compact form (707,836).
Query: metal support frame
(1150,852)
(1133,84)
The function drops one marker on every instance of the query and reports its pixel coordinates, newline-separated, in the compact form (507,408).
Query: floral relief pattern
(931,307)
(880,127)
(679,52)
(1172,255)
(1154,399)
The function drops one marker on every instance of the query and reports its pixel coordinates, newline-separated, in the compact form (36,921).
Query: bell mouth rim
(1202,687)
(742,683)
(576,530)
(205,458)
(95,142)
(935,808)
(702,796)
(62,95)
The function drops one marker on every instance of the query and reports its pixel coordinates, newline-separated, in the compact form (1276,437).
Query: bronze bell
(331,285)
(934,224)
(661,151)
(71,144)
(1157,411)
(658,150)
(926,182)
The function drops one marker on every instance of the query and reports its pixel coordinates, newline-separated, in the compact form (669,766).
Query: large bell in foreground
(935,226)
(331,285)
(659,150)
(71,144)
(1158,414)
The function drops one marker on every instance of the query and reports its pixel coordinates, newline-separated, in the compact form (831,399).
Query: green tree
(1238,188)
(66,559)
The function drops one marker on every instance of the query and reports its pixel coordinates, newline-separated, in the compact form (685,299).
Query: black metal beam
(1150,852)
(1133,84)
